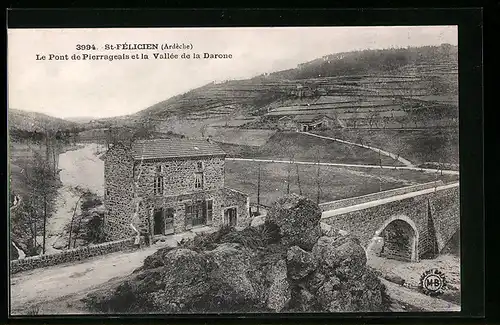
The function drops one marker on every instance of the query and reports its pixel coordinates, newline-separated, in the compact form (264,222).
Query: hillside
(407,87)
(36,122)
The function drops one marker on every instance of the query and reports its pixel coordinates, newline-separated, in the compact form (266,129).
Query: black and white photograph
(255,170)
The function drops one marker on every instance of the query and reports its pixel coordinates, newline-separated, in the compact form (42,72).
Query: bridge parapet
(377,196)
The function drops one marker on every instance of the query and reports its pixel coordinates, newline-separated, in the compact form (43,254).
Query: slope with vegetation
(404,86)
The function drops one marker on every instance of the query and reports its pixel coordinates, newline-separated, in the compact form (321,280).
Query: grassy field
(418,146)
(283,145)
(246,137)
(336,183)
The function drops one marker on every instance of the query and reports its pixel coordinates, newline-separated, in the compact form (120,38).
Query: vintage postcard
(234,170)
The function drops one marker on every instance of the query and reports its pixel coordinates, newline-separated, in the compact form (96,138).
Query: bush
(250,237)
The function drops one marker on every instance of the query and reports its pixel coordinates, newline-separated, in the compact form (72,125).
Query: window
(200,165)
(209,210)
(158,185)
(196,213)
(198,180)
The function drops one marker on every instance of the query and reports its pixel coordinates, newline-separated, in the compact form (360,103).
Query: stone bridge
(413,223)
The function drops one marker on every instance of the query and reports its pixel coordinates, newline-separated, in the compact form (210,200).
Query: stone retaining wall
(333,205)
(70,255)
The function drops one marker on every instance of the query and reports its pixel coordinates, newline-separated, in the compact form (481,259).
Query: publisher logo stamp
(433,282)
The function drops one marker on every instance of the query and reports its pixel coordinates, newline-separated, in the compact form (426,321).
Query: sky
(102,88)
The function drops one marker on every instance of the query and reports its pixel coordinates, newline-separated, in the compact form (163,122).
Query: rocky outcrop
(298,219)
(268,268)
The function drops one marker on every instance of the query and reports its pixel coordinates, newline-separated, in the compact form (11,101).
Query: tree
(380,171)
(371,118)
(43,185)
(318,178)
(258,190)
(73,218)
(203,130)
(298,178)
(46,188)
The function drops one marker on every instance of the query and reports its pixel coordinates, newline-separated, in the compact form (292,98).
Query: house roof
(174,148)
(309,117)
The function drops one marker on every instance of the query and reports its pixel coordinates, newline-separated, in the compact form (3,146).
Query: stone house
(286,123)
(308,122)
(166,186)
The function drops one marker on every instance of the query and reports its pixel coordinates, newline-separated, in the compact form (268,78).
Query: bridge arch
(396,238)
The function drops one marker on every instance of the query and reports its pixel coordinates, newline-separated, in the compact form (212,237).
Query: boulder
(315,281)
(61,242)
(330,297)
(184,275)
(257,221)
(329,231)
(340,255)
(279,291)
(298,219)
(14,255)
(229,265)
(300,263)
(304,301)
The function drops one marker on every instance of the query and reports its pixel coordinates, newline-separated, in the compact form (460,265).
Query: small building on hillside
(308,122)
(166,186)
(287,123)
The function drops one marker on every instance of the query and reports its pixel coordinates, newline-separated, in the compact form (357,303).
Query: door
(230,217)
(169,221)
(199,213)
(159,222)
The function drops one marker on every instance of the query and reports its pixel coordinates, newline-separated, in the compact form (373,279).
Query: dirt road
(417,299)
(50,283)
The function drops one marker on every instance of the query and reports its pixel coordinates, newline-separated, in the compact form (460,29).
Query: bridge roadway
(361,206)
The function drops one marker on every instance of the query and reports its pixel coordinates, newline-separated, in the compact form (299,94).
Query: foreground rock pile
(287,264)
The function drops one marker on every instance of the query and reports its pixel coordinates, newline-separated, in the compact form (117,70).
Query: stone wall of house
(179,175)
(241,201)
(179,188)
(118,192)
(70,255)
(178,204)
(287,124)
(221,199)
